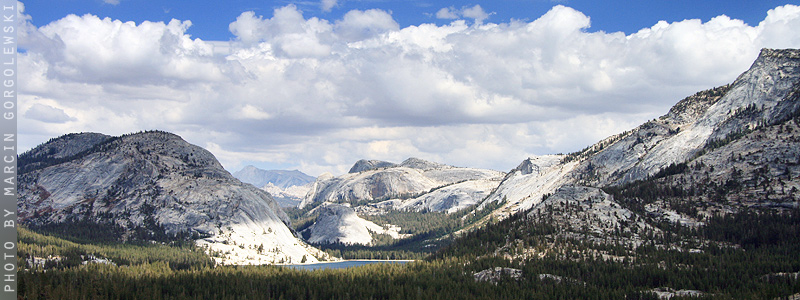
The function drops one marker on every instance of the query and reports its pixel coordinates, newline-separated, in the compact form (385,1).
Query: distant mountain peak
(418,163)
(279,178)
(366,165)
(764,95)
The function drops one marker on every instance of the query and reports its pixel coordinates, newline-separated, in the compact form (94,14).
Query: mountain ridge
(279,178)
(152,184)
(379,187)
(287,187)
(766,91)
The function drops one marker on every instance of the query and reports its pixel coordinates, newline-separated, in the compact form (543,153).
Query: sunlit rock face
(415,184)
(765,94)
(155,184)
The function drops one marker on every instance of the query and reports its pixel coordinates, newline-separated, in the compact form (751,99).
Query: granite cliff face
(377,187)
(157,184)
(339,223)
(761,94)
(704,130)
(366,165)
(414,184)
(716,156)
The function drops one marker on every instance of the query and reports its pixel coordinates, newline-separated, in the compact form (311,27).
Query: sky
(318,85)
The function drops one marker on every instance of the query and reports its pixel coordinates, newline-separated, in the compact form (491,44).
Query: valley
(703,201)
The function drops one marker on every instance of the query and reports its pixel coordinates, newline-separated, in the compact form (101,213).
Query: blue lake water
(344,264)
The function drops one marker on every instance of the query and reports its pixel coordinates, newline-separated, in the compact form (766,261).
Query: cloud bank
(317,95)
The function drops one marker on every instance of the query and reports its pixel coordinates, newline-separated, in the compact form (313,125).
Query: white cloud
(779,27)
(90,49)
(447,13)
(327,5)
(112,2)
(251,112)
(475,12)
(320,94)
(47,114)
(359,25)
(287,33)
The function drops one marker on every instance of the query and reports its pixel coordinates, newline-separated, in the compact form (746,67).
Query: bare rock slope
(377,187)
(414,184)
(155,184)
(749,116)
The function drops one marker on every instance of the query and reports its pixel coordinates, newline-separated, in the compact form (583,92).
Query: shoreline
(348,260)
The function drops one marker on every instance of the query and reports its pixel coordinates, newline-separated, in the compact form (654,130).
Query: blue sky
(318,85)
(210,19)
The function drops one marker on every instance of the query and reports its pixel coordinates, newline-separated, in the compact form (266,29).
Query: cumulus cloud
(778,27)
(327,5)
(319,94)
(90,49)
(359,25)
(287,33)
(112,2)
(447,13)
(475,12)
(47,114)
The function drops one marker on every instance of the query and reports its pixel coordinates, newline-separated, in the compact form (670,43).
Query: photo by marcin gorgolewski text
(8,126)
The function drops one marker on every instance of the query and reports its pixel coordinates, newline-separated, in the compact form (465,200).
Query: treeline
(759,269)
(493,236)
(34,245)
(438,280)
(150,272)
(103,229)
(31,161)
(756,229)
(418,246)
(413,222)
(730,274)
(750,255)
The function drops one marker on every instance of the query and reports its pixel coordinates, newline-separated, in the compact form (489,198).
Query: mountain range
(726,131)
(278,178)
(288,187)
(725,149)
(378,187)
(722,151)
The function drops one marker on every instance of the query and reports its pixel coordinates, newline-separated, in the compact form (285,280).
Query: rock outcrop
(155,184)
(414,184)
(702,129)
(340,224)
(497,274)
(376,187)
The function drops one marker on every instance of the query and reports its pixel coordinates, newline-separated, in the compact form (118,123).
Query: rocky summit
(722,150)
(154,185)
(377,187)
(733,134)
(414,184)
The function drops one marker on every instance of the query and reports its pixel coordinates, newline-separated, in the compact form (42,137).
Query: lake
(344,264)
